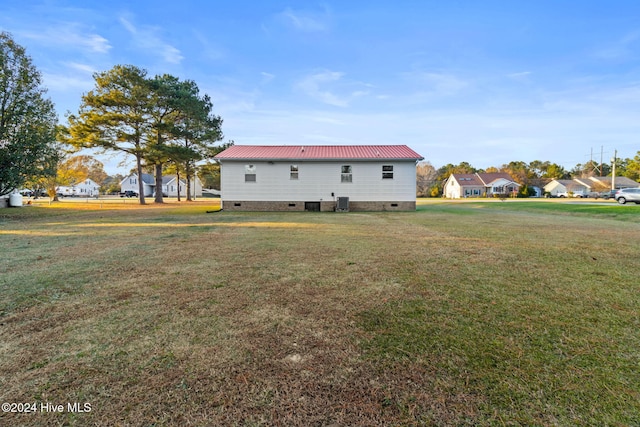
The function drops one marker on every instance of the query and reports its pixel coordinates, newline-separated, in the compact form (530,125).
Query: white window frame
(346,173)
(387,171)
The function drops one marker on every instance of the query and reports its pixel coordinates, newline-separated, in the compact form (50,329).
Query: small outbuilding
(318,178)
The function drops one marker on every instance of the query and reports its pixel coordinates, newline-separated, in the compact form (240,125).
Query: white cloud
(522,77)
(267,77)
(306,21)
(97,43)
(315,85)
(76,77)
(311,85)
(128,26)
(69,36)
(147,39)
(81,67)
(66,82)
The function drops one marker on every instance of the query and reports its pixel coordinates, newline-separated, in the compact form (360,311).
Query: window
(250,173)
(133,181)
(293,174)
(387,171)
(346,174)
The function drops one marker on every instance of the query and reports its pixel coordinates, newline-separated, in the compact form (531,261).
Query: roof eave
(327,159)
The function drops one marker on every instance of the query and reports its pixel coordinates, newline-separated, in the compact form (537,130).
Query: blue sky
(486,82)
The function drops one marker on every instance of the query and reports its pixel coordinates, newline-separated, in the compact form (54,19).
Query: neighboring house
(86,188)
(318,178)
(568,188)
(460,185)
(170,185)
(130,183)
(584,187)
(620,182)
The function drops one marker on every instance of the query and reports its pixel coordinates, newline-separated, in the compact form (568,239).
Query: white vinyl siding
(317,180)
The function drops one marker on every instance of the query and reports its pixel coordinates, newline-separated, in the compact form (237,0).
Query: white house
(567,187)
(583,187)
(318,178)
(609,182)
(130,183)
(170,185)
(85,188)
(460,185)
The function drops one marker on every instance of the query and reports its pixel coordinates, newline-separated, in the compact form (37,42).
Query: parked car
(628,195)
(609,194)
(128,193)
(565,194)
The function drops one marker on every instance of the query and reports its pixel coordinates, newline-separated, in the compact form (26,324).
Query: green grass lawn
(470,313)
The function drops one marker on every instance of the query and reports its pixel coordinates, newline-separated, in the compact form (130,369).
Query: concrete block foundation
(314,206)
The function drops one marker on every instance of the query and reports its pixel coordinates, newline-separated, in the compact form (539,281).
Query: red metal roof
(318,152)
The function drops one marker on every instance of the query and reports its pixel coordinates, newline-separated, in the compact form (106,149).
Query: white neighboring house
(461,185)
(170,185)
(130,183)
(86,188)
(568,188)
(318,178)
(585,187)
(608,182)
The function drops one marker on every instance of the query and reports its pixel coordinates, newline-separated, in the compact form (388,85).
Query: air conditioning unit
(343,204)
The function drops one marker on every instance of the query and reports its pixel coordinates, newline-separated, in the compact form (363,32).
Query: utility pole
(601,162)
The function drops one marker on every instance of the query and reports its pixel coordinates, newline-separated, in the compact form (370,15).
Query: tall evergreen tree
(168,94)
(197,130)
(115,116)
(150,118)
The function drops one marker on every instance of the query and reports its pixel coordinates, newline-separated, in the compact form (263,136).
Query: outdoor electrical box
(343,204)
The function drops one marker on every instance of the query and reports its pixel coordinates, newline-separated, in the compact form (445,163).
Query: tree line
(537,173)
(162,121)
